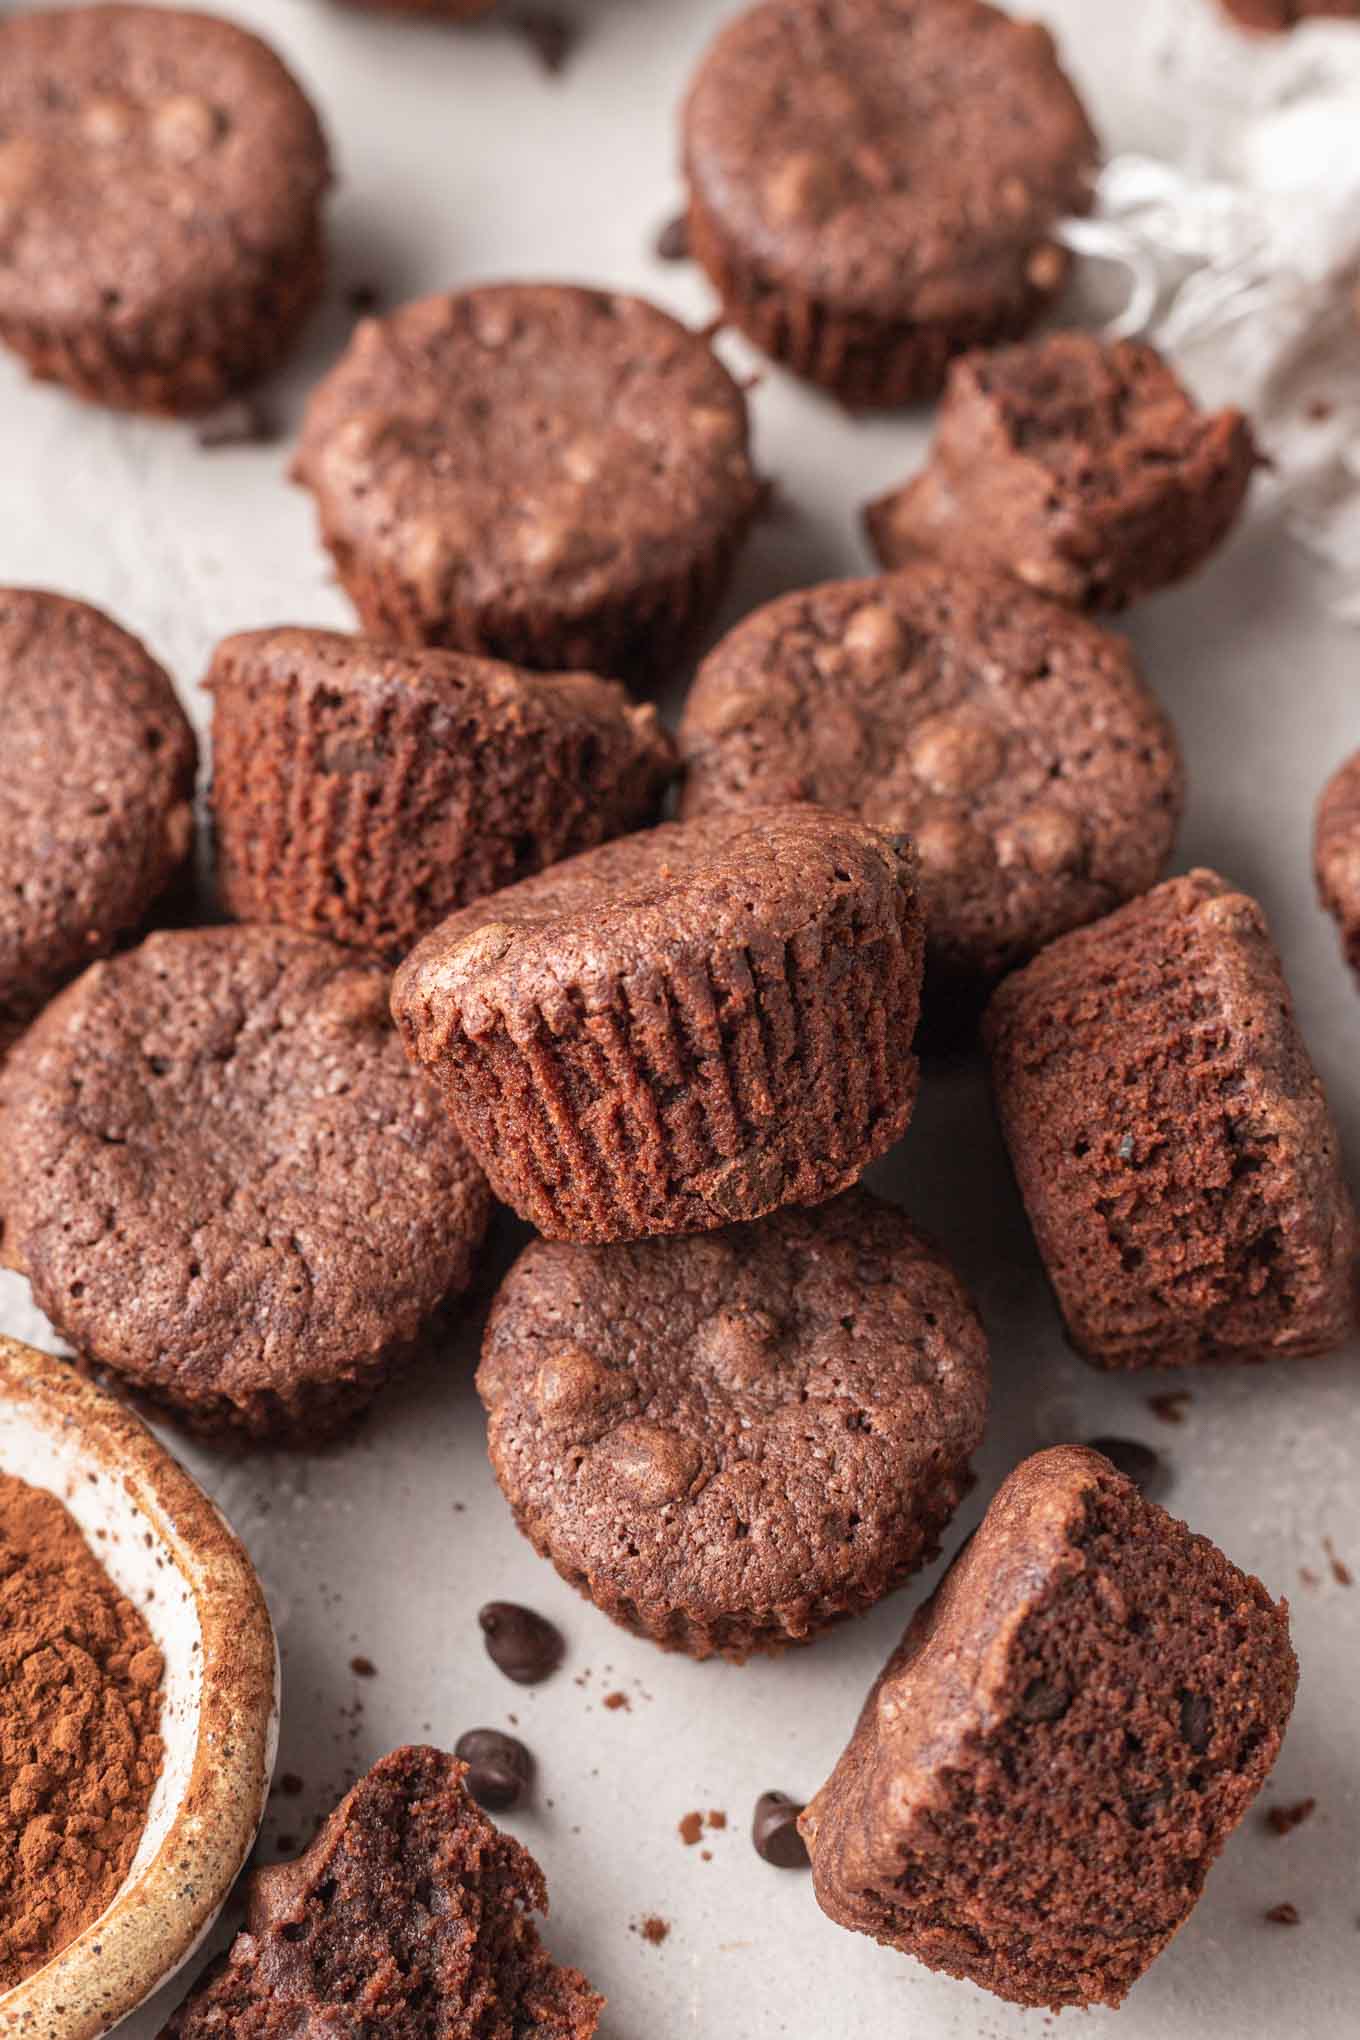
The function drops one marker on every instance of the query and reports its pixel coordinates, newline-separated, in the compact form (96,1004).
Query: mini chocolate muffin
(97,772)
(727,1443)
(554,476)
(1015,743)
(1336,854)
(1275,16)
(679,1029)
(364,793)
(410,1915)
(1079,466)
(1051,1762)
(1171,1139)
(225,1182)
(874,184)
(161,179)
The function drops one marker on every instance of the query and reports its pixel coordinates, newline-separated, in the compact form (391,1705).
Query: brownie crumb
(1321,410)
(1282,1820)
(242,422)
(1171,1406)
(552,37)
(716,1817)
(1285,1915)
(690,1829)
(618,1701)
(363,1668)
(654,1929)
(364,299)
(289,1784)
(1341,1572)
(672,243)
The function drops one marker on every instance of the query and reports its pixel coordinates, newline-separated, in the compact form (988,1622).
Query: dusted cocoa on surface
(1068,1733)
(410,1916)
(1170,1137)
(225,1182)
(682,1028)
(97,764)
(161,179)
(554,476)
(364,793)
(727,1443)
(874,184)
(1078,466)
(1017,745)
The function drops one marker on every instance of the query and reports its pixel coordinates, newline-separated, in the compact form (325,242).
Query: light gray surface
(459,161)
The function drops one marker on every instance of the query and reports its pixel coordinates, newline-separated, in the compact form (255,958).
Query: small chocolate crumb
(551,36)
(774,1832)
(1285,1915)
(363,1668)
(615,1701)
(522,1644)
(690,1828)
(672,243)
(654,1929)
(1320,410)
(242,422)
(1138,1462)
(363,299)
(500,1768)
(716,1817)
(289,1784)
(1171,1406)
(1341,1572)
(1308,1577)
(1282,1820)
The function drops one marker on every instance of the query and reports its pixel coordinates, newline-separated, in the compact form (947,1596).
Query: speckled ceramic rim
(166,1907)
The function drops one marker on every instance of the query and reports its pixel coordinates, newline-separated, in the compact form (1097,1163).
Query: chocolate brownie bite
(161,180)
(682,1028)
(225,1182)
(1336,854)
(1171,1139)
(432,10)
(1053,1758)
(727,1443)
(1015,743)
(363,793)
(97,769)
(1275,16)
(553,476)
(1079,466)
(874,184)
(410,1915)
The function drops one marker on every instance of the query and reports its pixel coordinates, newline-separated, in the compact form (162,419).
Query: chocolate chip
(1138,1462)
(672,243)
(1045,1700)
(1285,1915)
(774,1832)
(523,1645)
(551,36)
(1196,1719)
(499,1768)
(244,422)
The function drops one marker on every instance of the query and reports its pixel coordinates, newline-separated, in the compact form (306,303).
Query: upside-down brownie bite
(411,1915)
(1171,1139)
(1050,1763)
(364,793)
(681,1028)
(550,475)
(728,1442)
(161,182)
(874,185)
(97,765)
(1079,466)
(1016,744)
(226,1183)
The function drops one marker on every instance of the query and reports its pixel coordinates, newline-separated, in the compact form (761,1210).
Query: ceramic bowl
(167,1548)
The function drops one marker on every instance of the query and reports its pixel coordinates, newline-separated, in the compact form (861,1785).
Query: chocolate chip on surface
(522,1644)
(500,1768)
(774,1832)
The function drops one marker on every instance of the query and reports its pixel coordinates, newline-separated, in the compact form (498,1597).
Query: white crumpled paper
(1242,259)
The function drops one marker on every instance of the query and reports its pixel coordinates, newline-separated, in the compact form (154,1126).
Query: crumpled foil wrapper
(1241,259)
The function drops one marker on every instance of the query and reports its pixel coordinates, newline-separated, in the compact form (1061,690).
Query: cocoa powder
(80,1703)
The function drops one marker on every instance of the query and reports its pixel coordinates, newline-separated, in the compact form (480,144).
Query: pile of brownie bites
(732,1397)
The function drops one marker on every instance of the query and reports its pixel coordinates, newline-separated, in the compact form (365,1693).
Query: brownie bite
(1079,466)
(728,1442)
(225,1182)
(97,768)
(553,476)
(1171,1139)
(1056,1753)
(1336,854)
(680,1029)
(364,793)
(874,184)
(410,1915)
(1015,743)
(1275,16)
(432,10)
(161,181)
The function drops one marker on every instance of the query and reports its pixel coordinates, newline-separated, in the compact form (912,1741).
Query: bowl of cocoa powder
(138,1705)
